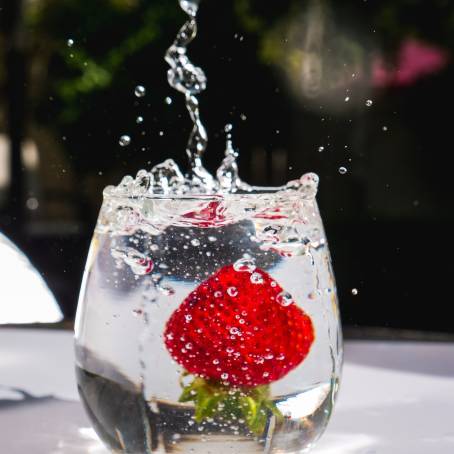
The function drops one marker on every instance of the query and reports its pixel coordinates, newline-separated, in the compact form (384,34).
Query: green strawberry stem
(213,399)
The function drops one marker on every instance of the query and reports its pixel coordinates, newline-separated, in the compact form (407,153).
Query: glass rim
(255,192)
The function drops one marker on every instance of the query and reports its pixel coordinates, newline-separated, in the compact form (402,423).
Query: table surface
(396,398)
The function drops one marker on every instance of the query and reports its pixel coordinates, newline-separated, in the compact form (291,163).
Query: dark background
(292,76)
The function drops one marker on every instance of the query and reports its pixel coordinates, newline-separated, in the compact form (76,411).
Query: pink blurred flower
(415,60)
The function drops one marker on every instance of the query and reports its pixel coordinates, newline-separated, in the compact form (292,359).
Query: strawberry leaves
(249,406)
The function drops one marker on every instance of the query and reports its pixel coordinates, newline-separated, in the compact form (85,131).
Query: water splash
(227,174)
(166,178)
(190,80)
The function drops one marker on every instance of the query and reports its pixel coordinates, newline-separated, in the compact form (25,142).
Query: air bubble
(284,299)
(70,42)
(354,291)
(244,265)
(235,331)
(168,100)
(195,242)
(320,149)
(256,278)
(218,294)
(212,239)
(343,170)
(232,291)
(139,120)
(216,362)
(140,91)
(124,141)
(369,102)
(347,99)
(224,376)
(228,128)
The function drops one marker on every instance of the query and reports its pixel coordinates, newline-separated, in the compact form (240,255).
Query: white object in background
(25,297)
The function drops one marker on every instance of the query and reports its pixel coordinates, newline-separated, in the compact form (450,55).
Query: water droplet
(354,291)
(266,374)
(168,100)
(314,295)
(369,102)
(284,299)
(343,170)
(139,120)
(244,265)
(218,294)
(256,278)
(188,317)
(189,346)
(124,141)
(140,91)
(216,361)
(225,376)
(195,242)
(212,239)
(232,291)
(320,149)
(235,331)
(70,42)
(32,203)
(190,6)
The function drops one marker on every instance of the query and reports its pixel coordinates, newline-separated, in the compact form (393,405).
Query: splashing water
(190,80)
(227,174)
(166,177)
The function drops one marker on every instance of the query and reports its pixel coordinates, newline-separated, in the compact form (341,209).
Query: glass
(209,324)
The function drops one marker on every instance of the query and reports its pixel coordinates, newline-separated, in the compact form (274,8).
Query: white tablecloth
(396,398)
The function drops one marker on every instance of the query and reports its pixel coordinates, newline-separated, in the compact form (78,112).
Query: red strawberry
(240,328)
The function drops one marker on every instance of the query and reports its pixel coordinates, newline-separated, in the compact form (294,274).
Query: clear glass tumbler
(209,323)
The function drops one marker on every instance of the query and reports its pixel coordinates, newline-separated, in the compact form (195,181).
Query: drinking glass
(209,323)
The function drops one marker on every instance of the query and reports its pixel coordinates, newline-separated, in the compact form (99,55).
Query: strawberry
(238,330)
(239,327)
